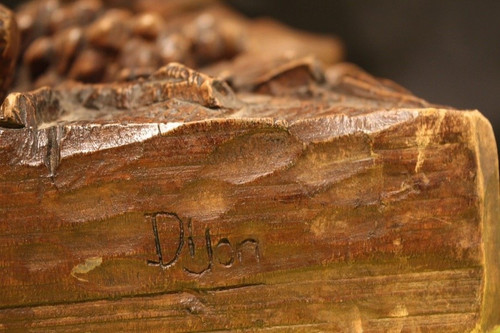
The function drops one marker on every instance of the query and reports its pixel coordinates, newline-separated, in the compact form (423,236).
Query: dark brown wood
(91,41)
(143,206)
(270,190)
(9,49)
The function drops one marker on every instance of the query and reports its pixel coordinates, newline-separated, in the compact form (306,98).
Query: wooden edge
(488,185)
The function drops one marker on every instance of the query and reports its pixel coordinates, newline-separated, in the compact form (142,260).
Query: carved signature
(224,253)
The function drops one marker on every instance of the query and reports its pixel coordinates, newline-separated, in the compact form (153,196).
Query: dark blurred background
(446,51)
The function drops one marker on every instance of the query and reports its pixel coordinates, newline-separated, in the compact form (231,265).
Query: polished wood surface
(267,192)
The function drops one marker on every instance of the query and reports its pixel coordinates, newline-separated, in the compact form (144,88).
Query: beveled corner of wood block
(488,180)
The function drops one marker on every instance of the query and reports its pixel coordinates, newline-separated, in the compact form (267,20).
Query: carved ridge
(174,81)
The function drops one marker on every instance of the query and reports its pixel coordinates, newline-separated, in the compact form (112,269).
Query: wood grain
(361,208)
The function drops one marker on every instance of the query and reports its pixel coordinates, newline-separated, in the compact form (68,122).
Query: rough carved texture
(269,193)
(9,49)
(360,207)
(105,41)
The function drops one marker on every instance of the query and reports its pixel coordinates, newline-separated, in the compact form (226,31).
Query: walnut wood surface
(264,192)
(361,208)
(9,49)
(106,41)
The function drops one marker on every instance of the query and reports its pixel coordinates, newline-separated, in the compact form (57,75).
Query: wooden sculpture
(275,191)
